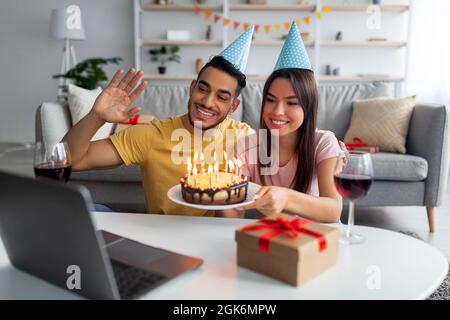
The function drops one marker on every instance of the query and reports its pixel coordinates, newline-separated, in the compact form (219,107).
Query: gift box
(137,119)
(288,248)
(359,145)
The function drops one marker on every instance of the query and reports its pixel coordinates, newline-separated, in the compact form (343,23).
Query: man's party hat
(293,54)
(237,52)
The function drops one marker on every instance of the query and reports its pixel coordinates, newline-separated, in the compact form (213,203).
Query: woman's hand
(112,104)
(270,200)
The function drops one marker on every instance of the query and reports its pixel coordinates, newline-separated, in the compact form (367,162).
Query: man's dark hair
(224,65)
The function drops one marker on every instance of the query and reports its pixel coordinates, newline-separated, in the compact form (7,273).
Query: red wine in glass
(57,171)
(353,186)
(353,176)
(52,161)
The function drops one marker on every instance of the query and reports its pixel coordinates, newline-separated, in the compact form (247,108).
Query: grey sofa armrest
(428,137)
(52,121)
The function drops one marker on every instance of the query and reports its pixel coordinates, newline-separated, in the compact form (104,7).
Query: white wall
(28,57)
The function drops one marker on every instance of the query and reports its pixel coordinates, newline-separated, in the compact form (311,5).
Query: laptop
(47,231)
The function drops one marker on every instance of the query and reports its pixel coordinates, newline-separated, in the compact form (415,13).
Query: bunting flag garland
(207,14)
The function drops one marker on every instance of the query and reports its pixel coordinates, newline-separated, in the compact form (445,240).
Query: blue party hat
(293,54)
(237,52)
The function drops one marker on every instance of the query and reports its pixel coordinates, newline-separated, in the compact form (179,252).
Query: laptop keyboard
(132,281)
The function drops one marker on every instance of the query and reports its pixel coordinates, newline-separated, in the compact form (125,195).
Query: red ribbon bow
(133,121)
(282,225)
(357,143)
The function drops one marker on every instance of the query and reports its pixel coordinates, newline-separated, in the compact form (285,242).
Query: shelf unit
(316,45)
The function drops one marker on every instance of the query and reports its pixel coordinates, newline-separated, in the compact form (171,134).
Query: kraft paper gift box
(137,119)
(288,248)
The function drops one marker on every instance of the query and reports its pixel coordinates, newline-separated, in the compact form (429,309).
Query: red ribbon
(282,225)
(357,143)
(132,121)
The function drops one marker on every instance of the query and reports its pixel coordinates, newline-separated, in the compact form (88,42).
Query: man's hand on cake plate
(113,103)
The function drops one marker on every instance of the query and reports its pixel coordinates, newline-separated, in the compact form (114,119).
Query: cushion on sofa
(381,122)
(399,167)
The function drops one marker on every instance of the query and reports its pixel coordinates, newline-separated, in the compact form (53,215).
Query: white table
(407,268)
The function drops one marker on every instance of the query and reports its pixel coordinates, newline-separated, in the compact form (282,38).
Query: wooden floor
(412,219)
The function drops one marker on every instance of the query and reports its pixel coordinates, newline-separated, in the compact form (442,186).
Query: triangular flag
(318,15)
(307,20)
(216,18)
(286,25)
(297,22)
(208,14)
(197,9)
(266,28)
(326,9)
(237,52)
(256,27)
(246,26)
(236,24)
(293,54)
(226,22)
(276,27)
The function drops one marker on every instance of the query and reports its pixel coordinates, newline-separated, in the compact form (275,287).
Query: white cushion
(80,103)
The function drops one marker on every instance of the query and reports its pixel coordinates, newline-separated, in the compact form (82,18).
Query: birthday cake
(218,188)
(214,186)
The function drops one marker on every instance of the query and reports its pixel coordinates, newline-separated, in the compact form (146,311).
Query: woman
(303,179)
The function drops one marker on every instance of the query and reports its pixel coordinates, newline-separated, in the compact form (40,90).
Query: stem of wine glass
(351,214)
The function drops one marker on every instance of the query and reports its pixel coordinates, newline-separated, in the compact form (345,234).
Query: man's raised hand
(113,103)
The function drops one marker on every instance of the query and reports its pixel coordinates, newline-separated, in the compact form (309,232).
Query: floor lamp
(66,24)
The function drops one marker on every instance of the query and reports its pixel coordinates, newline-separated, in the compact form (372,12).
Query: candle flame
(210,169)
(194,171)
(215,156)
(225,156)
(189,165)
(231,165)
(238,163)
(202,158)
(216,167)
(195,156)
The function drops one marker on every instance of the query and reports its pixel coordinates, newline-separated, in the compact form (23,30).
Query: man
(212,97)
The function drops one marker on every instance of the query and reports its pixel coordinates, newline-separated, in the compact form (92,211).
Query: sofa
(417,178)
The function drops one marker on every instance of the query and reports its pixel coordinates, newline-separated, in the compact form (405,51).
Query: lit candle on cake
(226,161)
(231,165)
(210,173)
(189,169)
(238,168)
(216,170)
(194,172)
(202,159)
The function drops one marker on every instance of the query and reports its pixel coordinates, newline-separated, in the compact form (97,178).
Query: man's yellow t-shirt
(150,146)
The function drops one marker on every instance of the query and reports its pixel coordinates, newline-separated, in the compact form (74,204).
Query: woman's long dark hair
(305,89)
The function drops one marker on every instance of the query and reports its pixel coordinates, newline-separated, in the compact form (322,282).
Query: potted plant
(163,55)
(88,73)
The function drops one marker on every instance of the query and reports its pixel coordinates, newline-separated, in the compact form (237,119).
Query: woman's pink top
(326,146)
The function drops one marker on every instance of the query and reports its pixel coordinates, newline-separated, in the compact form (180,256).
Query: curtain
(428,69)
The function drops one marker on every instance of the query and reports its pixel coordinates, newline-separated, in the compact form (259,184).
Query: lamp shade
(66,23)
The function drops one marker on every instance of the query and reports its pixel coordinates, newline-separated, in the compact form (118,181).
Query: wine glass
(52,161)
(353,176)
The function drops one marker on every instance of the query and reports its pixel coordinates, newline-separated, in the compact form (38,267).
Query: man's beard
(209,127)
